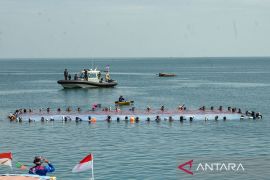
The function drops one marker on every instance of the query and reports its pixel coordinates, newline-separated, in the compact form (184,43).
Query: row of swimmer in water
(133,119)
(148,109)
(117,108)
(78,109)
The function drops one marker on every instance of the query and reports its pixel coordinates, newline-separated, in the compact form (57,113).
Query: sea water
(141,150)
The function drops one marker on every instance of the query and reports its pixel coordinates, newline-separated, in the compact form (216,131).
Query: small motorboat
(89,78)
(166,75)
(124,102)
(25,177)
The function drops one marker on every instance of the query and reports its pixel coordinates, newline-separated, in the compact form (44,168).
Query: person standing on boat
(107,77)
(75,77)
(121,99)
(85,75)
(99,75)
(66,74)
(40,170)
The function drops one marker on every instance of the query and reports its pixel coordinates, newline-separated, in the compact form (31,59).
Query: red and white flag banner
(84,165)
(6,159)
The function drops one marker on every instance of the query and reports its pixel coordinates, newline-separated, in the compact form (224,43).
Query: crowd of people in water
(229,109)
(98,107)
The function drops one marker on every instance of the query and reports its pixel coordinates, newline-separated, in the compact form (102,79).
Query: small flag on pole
(84,165)
(107,68)
(21,166)
(5,159)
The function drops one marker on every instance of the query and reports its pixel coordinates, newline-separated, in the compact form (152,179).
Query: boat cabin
(92,75)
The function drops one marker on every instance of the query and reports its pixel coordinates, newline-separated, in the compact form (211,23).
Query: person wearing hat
(40,170)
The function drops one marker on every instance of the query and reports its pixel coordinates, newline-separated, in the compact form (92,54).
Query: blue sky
(134,28)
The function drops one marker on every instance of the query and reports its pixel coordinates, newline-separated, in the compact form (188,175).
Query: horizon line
(125,58)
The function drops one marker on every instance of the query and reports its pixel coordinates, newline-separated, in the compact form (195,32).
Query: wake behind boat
(88,78)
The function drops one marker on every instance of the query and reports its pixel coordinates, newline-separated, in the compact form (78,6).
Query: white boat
(89,78)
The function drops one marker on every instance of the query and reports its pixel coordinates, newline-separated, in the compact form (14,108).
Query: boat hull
(85,84)
(124,103)
(166,75)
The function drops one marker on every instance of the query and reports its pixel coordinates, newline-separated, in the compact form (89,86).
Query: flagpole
(92,169)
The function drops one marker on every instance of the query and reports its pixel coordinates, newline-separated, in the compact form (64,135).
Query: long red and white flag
(6,158)
(84,165)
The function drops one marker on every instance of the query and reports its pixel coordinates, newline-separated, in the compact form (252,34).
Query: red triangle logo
(181,166)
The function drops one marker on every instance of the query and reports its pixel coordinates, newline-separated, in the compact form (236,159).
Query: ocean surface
(141,151)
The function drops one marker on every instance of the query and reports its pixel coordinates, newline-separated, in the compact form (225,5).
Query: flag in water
(84,165)
(6,158)
(21,166)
